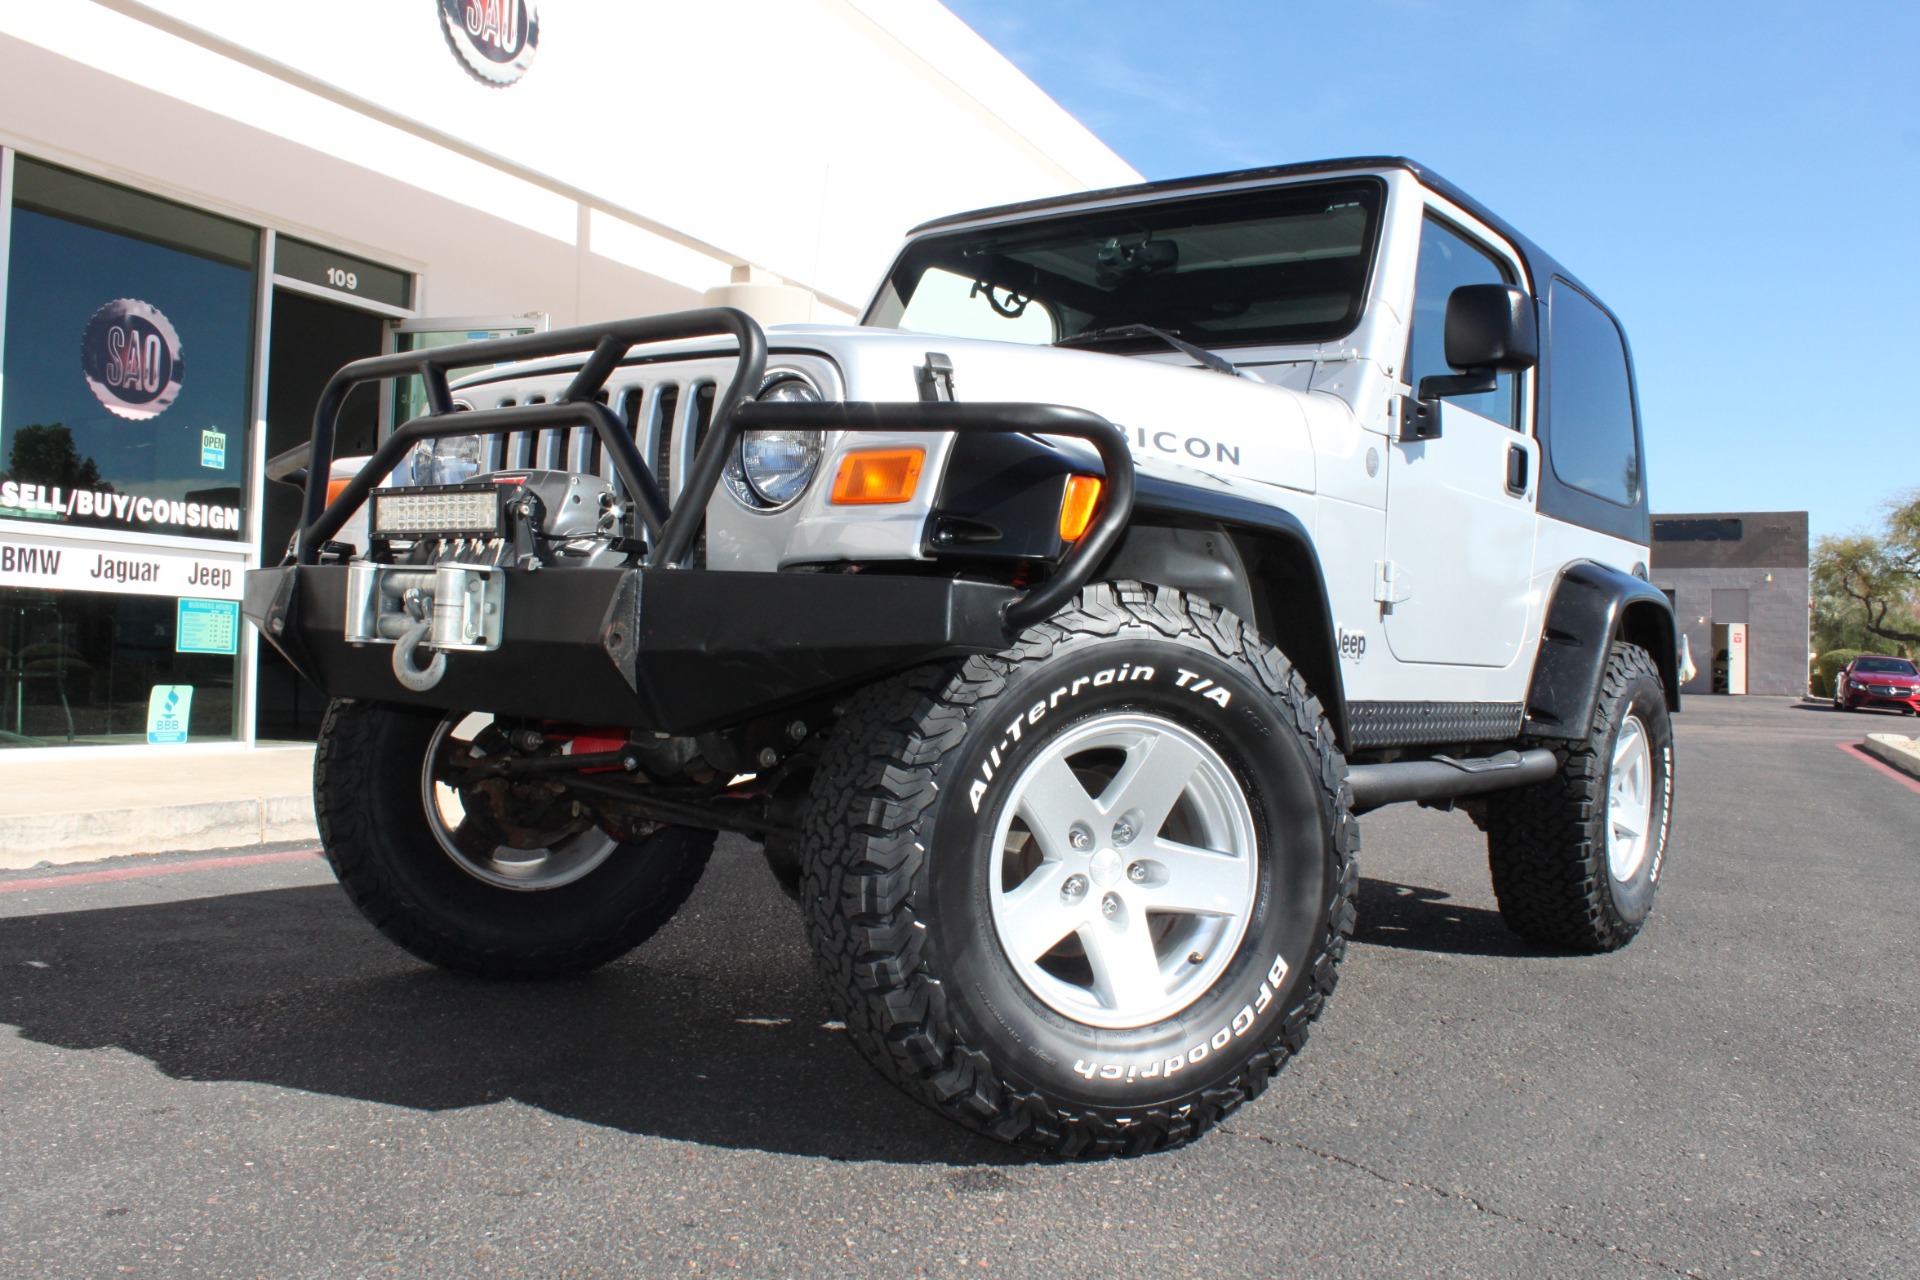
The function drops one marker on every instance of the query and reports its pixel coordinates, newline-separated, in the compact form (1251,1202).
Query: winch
(435,574)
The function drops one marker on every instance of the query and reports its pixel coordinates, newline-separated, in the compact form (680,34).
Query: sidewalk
(55,810)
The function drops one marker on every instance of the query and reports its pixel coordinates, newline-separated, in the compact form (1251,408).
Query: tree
(1869,583)
(44,454)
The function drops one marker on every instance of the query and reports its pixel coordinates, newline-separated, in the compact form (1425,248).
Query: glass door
(432,332)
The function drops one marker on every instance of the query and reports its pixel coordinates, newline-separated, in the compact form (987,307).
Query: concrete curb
(27,840)
(1890,748)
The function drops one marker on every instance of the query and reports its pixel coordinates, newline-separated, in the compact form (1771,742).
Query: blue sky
(1740,181)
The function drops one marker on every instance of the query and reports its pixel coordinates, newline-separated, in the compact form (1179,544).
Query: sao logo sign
(130,354)
(495,40)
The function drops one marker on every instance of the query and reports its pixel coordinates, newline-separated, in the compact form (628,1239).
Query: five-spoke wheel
(1086,894)
(1629,799)
(1124,870)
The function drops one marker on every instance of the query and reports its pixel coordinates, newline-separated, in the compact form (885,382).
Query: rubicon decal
(1175,444)
(495,40)
(130,354)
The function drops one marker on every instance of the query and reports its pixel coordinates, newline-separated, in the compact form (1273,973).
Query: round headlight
(787,388)
(772,468)
(777,465)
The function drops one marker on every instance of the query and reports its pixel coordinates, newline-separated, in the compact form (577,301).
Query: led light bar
(446,510)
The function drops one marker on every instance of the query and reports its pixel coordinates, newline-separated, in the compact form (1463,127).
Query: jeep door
(1460,507)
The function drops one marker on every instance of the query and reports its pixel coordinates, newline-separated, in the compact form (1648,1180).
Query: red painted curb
(163,869)
(1854,750)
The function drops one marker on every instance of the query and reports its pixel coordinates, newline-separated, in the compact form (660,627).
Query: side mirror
(1491,330)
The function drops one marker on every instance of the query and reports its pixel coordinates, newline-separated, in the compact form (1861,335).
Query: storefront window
(124,407)
(129,341)
(93,668)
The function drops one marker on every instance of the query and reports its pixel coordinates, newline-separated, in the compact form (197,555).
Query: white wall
(651,148)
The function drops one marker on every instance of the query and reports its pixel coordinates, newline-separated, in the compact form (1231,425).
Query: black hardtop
(1540,265)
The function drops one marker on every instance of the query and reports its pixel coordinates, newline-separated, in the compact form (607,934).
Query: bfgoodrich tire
(1576,859)
(1085,895)
(508,917)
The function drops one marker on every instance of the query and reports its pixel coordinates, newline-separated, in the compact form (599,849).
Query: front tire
(1576,860)
(441,897)
(1087,894)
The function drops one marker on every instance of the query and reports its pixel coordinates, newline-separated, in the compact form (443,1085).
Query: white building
(206,206)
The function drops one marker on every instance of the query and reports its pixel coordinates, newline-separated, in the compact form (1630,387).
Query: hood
(1178,419)
(1174,414)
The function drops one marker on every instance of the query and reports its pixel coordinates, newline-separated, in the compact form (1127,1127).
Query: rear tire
(1576,860)
(376,832)
(1085,895)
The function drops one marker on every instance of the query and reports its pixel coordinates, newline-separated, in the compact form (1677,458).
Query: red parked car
(1892,684)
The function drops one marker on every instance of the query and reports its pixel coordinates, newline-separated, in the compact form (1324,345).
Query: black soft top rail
(673,531)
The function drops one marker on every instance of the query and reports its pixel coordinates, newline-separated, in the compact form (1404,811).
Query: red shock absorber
(582,740)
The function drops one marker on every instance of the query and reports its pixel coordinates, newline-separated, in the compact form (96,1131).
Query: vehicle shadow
(712,1035)
(1413,918)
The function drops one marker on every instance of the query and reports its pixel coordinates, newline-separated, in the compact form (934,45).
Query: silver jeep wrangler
(1048,630)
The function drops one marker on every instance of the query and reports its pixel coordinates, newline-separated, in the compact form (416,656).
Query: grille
(668,417)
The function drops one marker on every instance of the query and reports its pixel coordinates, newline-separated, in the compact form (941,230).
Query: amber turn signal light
(1082,499)
(337,487)
(872,477)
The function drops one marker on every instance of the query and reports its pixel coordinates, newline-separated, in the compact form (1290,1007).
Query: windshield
(1274,266)
(1885,666)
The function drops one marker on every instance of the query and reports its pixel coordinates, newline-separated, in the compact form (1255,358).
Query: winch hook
(418,679)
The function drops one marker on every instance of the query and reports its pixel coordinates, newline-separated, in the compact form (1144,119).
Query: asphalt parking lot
(223,1072)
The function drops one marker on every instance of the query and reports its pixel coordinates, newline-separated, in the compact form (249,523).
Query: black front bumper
(670,650)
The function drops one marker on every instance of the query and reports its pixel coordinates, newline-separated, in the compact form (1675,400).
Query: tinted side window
(1590,399)
(1447,261)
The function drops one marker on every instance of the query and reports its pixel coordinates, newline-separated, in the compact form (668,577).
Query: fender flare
(1270,565)
(1593,605)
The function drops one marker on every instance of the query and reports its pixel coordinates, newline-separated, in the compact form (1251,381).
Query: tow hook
(447,608)
(418,679)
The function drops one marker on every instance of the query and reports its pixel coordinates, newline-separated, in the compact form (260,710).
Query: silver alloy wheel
(1629,800)
(548,867)
(1124,871)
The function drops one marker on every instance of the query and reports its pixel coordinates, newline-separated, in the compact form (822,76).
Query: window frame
(1495,247)
(887,293)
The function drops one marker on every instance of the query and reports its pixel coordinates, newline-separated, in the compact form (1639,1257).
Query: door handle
(1517,463)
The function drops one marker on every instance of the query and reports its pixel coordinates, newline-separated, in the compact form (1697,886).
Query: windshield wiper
(1219,364)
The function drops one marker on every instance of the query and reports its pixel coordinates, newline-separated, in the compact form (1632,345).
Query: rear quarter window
(1594,446)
